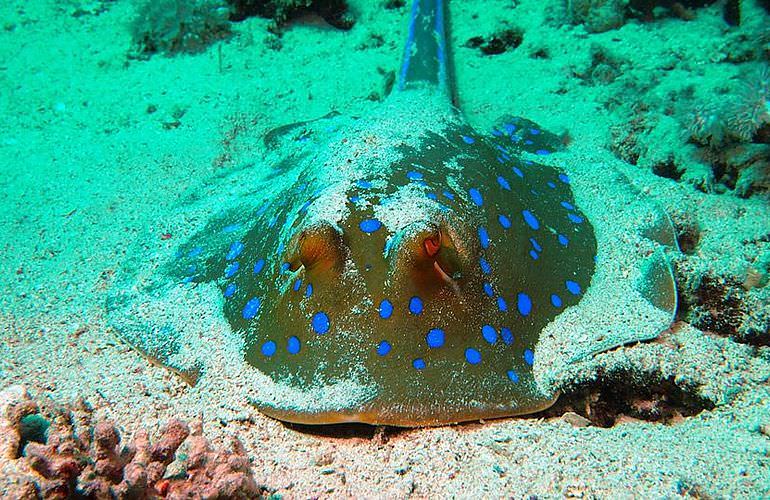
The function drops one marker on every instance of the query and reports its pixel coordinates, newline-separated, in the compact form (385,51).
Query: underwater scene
(385,249)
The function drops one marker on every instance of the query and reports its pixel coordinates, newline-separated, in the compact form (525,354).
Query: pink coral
(80,459)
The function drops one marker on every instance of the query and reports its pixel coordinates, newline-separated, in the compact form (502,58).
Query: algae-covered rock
(597,15)
(173,26)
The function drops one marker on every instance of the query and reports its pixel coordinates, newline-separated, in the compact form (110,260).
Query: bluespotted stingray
(400,267)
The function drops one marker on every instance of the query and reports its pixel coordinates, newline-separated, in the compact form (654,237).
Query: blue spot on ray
(468,140)
(230,290)
(504,221)
(484,237)
(563,240)
(309,290)
(524,304)
(370,225)
(488,289)
(530,219)
(556,300)
(485,267)
(435,338)
(476,196)
(567,205)
(414,176)
(235,250)
(506,335)
(363,184)
(529,357)
(251,308)
(573,287)
(383,348)
(418,364)
(385,309)
(575,218)
(268,348)
(512,376)
(415,305)
(502,304)
(320,323)
(503,183)
(293,345)
(472,356)
(231,269)
(489,334)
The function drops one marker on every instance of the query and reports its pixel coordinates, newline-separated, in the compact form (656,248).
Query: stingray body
(397,268)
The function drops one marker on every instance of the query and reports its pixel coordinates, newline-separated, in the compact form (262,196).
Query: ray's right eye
(427,254)
(444,253)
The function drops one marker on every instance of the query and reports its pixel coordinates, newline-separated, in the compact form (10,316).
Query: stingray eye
(319,248)
(440,250)
(427,254)
(446,258)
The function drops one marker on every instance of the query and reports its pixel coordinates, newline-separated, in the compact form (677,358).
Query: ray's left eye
(318,249)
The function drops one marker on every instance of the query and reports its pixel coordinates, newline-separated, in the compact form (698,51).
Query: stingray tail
(426,62)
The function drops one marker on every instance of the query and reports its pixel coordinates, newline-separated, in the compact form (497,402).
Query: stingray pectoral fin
(656,283)
(331,402)
(632,295)
(173,326)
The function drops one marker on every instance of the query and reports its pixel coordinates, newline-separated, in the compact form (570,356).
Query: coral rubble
(85,460)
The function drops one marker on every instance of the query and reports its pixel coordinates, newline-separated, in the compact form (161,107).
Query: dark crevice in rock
(725,306)
(667,169)
(498,42)
(33,428)
(334,12)
(621,396)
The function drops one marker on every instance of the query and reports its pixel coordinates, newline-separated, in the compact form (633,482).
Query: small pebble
(575,420)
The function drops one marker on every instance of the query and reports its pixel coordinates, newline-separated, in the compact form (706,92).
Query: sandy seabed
(94,146)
